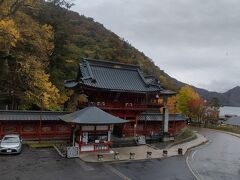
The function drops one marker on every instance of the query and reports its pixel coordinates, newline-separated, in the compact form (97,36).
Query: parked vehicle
(11,144)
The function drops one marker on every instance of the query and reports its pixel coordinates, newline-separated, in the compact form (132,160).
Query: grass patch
(42,144)
(62,148)
(225,127)
(184,134)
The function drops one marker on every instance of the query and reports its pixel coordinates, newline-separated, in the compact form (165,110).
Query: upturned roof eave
(94,123)
(91,115)
(113,90)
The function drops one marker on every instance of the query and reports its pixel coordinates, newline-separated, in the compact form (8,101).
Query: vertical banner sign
(85,137)
(166,119)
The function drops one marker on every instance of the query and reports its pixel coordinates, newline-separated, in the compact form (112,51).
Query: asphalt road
(45,164)
(218,160)
(174,168)
(41,164)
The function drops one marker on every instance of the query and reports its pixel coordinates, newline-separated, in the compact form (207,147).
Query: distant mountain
(228,98)
(234,96)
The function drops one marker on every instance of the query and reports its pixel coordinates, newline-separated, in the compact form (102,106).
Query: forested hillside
(228,98)
(41,44)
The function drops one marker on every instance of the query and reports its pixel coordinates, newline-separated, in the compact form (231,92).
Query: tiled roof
(91,115)
(113,76)
(30,115)
(159,117)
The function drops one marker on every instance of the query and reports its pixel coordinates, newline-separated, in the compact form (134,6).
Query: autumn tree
(47,35)
(196,108)
(171,104)
(211,115)
(185,95)
(27,47)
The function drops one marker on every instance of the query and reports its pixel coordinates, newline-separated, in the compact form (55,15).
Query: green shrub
(185,133)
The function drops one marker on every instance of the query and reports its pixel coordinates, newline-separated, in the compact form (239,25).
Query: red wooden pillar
(80,136)
(39,130)
(20,128)
(135,127)
(54,129)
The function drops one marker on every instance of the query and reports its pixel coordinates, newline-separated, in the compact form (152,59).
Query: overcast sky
(194,41)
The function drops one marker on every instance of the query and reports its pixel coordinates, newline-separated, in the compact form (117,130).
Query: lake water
(229,110)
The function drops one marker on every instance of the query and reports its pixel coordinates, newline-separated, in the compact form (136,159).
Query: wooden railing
(127,105)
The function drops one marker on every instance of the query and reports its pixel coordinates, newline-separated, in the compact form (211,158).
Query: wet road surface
(46,164)
(219,159)
(174,168)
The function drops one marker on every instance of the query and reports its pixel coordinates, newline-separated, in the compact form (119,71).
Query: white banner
(72,151)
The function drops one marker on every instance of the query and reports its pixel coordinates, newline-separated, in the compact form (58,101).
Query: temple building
(92,128)
(123,91)
(118,100)
(34,125)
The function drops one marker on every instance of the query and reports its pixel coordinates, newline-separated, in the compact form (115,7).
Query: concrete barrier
(180,151)
(149,154)
(116,155)
(132,155)
(165,152)
(100,157)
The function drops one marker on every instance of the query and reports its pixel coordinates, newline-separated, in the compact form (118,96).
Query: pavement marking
(118,173)
(189,167)
(193,170)
(193,154)
(84,165)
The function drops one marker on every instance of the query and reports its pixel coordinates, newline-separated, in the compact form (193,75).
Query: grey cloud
(195,41)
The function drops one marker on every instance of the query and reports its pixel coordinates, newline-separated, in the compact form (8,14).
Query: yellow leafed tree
(26,45)
(171,104)
(185,94)
(8,34)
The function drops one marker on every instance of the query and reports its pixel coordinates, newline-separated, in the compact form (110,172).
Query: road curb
(197,145)
(189,139)
(203,142)
(226,132)
(151,146)
(59,152)
(146,159)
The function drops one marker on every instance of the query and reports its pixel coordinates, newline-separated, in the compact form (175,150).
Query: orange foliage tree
(171,104)
(196,108)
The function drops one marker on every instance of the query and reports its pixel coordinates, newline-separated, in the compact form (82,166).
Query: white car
(11,144)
